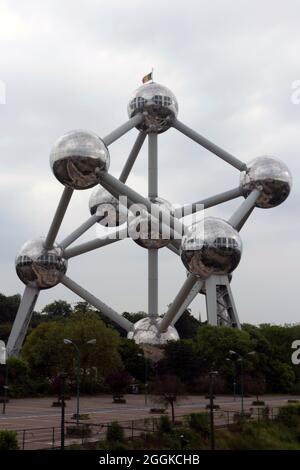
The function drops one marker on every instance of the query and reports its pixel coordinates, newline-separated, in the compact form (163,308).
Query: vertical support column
(211,301)
(153,253)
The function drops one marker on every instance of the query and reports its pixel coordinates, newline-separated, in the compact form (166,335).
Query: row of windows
(47,259)
(224,242)
(139,102)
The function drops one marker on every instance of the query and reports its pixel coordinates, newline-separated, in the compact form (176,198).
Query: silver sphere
(270,174)
(144,230)
(145,331)
(38,267)
(211,246)
(158,104)
(77,157)
(103,203)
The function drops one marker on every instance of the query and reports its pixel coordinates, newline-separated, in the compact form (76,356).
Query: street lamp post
(241,360)
(3,361)
(212,375)
(234,378)
(77,351)
(146,377)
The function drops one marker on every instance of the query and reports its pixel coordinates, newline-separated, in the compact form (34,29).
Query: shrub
(164,424)
(8,440)
(199,422)
(115,432)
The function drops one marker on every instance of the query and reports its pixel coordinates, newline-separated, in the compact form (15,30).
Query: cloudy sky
(74,64)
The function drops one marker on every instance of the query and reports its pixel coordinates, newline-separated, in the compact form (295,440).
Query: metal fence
(49,437)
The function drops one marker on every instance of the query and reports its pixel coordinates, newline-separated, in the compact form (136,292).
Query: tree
(187,325)
(167,389)
(58,309)
(118,382)
(180,359)
(8,307)
(133,359)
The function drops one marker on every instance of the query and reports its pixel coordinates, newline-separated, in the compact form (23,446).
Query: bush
(8,440)
(164,424)
(289,415)
(199,422)
(115,432)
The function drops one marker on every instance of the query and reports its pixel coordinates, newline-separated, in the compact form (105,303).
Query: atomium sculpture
(210,249)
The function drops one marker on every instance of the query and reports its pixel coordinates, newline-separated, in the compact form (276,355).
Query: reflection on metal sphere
(145,331)
(106,205)
(76,157)
(144,230)
(270,174)
(211,246)
(38,267)
(159,105)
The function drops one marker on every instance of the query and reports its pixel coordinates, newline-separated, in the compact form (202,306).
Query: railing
(49,438)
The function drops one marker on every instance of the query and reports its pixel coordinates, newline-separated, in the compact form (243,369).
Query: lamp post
(146,377)
(212,375)
(3,361)
(234,378)
(77,352)
(241,359)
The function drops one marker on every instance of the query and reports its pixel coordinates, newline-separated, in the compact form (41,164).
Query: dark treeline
(114,359)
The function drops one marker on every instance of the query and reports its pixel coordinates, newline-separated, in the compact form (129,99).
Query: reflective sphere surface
(158,104)
(211,246)
(76,157)
(270,174)
(145,332)
(40,268)
(144,230)
(106,205)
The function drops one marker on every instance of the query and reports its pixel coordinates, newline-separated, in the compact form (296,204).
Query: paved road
(37,412)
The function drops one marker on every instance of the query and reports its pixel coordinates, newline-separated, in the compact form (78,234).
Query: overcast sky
(231,64)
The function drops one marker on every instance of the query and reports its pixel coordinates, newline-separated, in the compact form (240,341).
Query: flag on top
(148,77)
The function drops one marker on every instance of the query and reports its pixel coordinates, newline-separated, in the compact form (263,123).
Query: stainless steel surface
(145,331)
(147,228)
(40,268)
(212,246)
(76,157)
(240,215)
(22,321)
(110,212)
(97,303)
(58,217)
(123,129)
(158,105)
(223,154)
(270,175)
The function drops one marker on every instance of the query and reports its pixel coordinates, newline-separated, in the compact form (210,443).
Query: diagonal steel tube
(21,322)
(177,303)
(132,157)
(98,304)
(227,157)
(58,217)
(208,202)
(248,204)
(96,243)
(123,129)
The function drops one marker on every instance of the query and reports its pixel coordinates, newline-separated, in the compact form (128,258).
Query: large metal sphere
(77,157)
(144,230)
(270,174)
(145,331)
(158,104)
(38,267)
(211,246)
(106,205)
